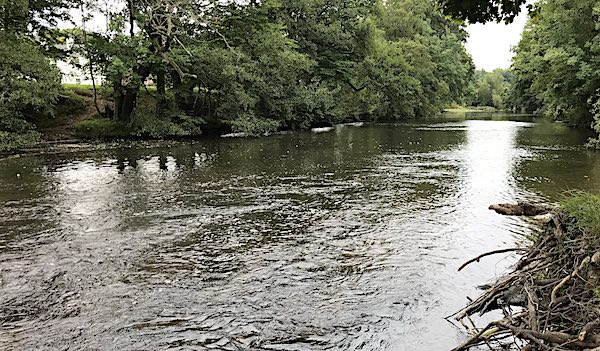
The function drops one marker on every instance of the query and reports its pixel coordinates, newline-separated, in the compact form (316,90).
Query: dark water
(348,240)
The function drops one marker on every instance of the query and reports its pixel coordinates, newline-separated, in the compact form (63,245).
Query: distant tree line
(490,89)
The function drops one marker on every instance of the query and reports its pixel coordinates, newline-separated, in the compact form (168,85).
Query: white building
(75,75)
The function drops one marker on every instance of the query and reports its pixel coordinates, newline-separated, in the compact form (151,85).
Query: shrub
(70,103)
(102,128)
(164,121)
(252,125)
(13,141)
(583,212)
(30,85)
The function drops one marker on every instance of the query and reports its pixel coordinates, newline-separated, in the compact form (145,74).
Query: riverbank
(78,125)
(554,288)
(469,109)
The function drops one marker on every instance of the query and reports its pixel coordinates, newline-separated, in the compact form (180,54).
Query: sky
(490,44)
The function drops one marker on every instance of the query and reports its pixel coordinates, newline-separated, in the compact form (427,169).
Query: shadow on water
(342,241)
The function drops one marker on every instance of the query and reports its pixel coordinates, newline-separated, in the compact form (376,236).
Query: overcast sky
(490,44)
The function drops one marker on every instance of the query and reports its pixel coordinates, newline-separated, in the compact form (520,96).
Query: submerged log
(521,209)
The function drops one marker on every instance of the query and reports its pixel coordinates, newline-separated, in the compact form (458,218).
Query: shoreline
(550,298)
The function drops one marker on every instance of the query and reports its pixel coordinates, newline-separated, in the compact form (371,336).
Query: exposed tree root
(554,287)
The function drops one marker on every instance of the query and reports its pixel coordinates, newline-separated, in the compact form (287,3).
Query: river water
(348,240)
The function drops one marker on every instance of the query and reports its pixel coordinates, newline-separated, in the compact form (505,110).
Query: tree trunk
(179,100)
(160,84)
(131,18)
(124,105)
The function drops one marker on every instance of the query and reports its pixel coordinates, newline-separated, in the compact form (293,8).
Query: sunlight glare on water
(348,240)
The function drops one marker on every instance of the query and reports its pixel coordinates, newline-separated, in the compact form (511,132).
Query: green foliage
(152,120)
(482,10)
(252,125)
(13,141)
(556,69)
(102,128)
(583,214)
(490,88)
(595,110)
(258,67)
(326,61)
(29,84)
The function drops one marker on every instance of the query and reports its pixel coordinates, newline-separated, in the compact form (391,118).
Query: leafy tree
(490,88)
(29,83)
(556,62)
(482,10)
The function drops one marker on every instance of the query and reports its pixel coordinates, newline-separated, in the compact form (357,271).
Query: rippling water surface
(348,240)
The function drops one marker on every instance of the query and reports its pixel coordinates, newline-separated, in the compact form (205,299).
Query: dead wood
(552,290)
(495,252)
(521,209)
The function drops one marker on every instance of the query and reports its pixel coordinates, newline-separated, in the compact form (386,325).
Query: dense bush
(252,125)
(556,66)
(252,67)
(102,128)
(10,141)
(162,120)
(29,84)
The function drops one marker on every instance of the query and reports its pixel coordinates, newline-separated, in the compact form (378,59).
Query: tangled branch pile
(551,300)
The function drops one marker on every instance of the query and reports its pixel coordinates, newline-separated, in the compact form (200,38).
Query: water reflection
(341,241)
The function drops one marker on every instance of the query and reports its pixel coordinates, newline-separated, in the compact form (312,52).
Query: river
(348,240)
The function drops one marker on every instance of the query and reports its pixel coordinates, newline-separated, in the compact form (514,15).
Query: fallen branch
(495,252)
(521,209)
(555,312)
(567,279)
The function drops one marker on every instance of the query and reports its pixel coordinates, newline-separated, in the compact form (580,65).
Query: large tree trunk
(124,105)
(125,101)
(161,85)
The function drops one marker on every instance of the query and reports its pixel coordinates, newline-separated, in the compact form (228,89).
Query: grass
(583,212)
(102,128)
(79,86)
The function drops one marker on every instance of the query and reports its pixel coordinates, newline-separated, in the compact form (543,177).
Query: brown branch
(532,306)
(588,329)
(473,340)
(566,280)
(476,259)
(521,209)
(178,69)
(558,338)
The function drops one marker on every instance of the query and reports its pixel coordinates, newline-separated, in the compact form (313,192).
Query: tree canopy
(556,70)
(476,11)
(490,88)
(252,67)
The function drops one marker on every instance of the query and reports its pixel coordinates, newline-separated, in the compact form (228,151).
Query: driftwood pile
(551,300)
